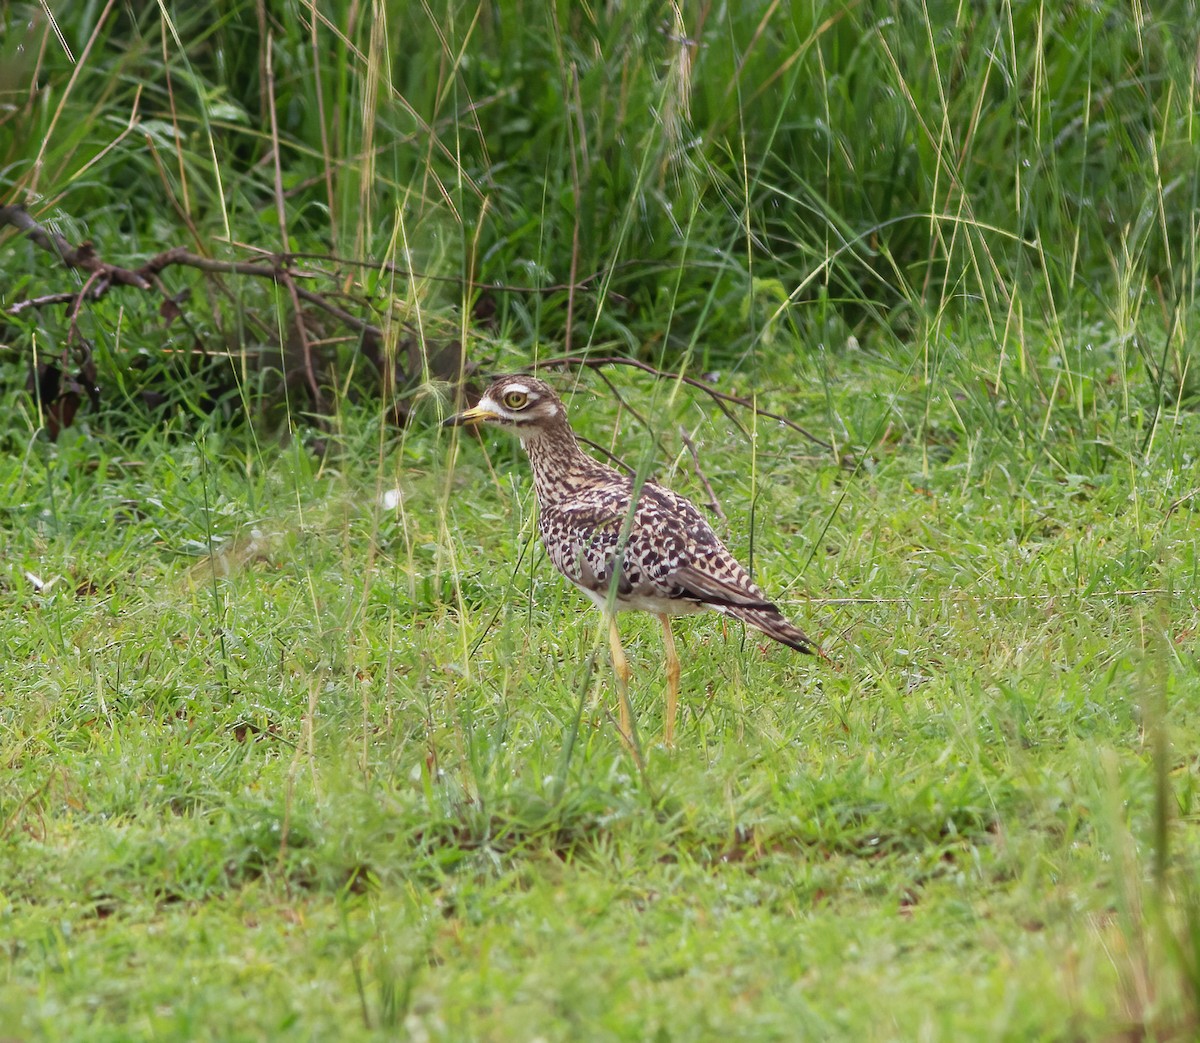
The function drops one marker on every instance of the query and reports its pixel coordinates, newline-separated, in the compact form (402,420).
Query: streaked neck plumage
(560,467)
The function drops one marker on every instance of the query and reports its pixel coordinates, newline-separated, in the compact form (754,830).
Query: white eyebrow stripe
(519,388)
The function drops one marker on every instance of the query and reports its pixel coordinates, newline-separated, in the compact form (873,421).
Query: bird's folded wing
(600,516)
(717,590)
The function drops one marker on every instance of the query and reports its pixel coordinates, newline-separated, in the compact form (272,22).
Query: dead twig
(1185,498)
(83,256)
(73,334)
(278,271)
(100,276)
(46,301)
(720,397)
(580,285)
(635,414)
(103,275)
(708,489)
(615,460)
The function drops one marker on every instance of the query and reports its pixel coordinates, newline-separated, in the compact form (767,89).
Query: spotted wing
(670,552)
(666,546)
(582,539)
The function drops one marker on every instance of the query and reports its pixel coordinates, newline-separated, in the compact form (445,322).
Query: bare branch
(83,256)
(712,496)
(592,362)
(45,301)
(103,276)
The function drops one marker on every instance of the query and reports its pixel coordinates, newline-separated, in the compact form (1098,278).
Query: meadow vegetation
(300,734)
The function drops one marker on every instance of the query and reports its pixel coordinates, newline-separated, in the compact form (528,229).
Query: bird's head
(525,404)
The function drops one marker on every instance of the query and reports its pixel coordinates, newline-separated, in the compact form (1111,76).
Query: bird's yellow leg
(620,667)
(672,680)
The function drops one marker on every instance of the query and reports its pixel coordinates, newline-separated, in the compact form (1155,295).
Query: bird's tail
(774,624)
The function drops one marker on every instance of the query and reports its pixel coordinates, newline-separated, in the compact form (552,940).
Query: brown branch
(712,496)
(277,271)
(1181,501)
(104,275)
(732,418)
(662,449)
(310,371)
(280,261)
(718,396)
(82,256)
(580,285)
(613,458)
(45,301)
(73,324)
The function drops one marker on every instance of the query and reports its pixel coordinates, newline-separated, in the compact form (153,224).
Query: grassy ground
(301,737)
(327,779)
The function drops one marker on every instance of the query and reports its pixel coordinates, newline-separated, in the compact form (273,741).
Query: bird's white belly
(643,603)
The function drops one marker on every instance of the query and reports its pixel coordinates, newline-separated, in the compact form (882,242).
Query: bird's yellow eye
(515,399)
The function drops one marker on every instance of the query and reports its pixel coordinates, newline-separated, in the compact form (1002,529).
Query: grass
(321,779)
(301,735)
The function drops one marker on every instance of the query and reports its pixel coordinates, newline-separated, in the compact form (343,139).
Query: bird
(658,554)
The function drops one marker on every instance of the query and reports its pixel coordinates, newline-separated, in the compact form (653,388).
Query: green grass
(302,737)
(322,781)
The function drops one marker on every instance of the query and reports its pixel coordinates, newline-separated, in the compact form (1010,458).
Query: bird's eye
(515,399)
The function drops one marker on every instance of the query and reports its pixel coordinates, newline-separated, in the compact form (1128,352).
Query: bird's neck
(559,465)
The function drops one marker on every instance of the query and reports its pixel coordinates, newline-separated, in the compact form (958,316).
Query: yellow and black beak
(469,418)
